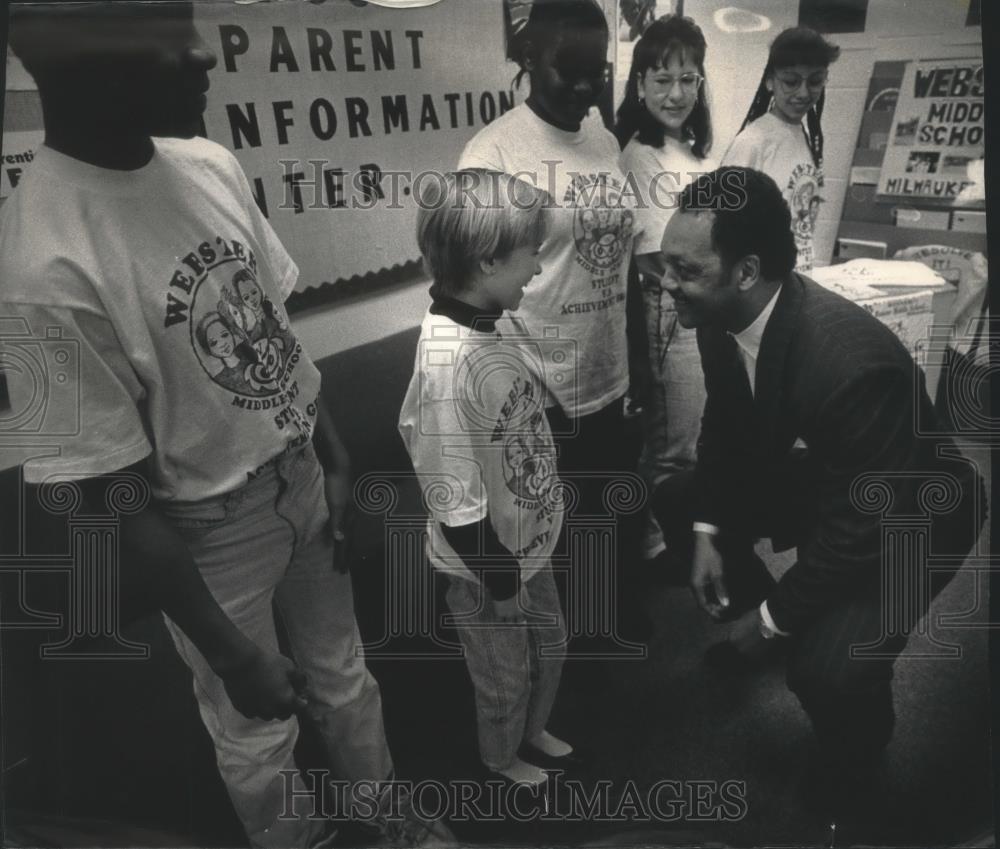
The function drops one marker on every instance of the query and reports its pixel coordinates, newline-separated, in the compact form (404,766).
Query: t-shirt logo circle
(240,338)
(529,467)
(599,235)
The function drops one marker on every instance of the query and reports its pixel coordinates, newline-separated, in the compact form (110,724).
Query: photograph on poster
(495,422)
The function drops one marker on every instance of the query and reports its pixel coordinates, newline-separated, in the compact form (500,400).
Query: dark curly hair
(665,37)
(51,39)
(751,217)
(547,20)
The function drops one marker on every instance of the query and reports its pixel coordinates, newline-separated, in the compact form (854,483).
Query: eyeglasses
(664,83)
(793,82)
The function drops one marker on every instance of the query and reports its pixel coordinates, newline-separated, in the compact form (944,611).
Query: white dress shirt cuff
(765,616)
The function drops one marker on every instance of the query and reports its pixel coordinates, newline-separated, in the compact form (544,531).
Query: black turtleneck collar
(475,318)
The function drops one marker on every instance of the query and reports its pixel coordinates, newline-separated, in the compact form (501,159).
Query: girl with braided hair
(782,134)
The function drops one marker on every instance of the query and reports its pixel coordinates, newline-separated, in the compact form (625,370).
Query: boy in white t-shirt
(474,424)
(138,250)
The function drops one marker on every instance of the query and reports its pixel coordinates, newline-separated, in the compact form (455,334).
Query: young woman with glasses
(665,129)
(782,135)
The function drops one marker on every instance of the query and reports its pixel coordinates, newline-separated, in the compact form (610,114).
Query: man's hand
(267,686)
(746,637)
(511,610)
(707,583)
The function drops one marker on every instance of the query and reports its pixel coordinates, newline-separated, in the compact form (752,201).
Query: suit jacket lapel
(769,382)
(736,368)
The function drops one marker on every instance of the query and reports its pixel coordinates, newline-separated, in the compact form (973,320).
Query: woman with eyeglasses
(576,307)
(665,128)
(781,134)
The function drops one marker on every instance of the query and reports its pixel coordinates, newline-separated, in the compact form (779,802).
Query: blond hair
(472,215)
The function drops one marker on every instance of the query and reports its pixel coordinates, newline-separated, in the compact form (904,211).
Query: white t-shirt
(580,295)
(781,151)
(474,423)
(658,174)
(122,268)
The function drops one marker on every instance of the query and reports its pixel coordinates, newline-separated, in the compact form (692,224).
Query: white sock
(551,745)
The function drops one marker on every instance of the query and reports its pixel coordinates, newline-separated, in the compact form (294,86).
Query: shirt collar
(749,338)
(475,318)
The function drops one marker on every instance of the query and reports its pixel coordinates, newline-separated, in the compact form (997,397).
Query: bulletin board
(936,146)
(337,112)
(334,111)
(887,207)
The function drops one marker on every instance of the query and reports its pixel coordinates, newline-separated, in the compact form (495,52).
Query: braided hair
(796,46)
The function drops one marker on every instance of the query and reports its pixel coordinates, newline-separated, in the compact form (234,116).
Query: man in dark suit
(809,437)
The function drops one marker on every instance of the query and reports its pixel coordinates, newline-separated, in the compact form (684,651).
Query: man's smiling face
(695,276)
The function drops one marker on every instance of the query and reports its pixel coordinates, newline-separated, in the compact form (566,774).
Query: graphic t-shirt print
(528,463)
(804,199)
(602,232)
(241,339)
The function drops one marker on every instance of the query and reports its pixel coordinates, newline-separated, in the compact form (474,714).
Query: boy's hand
(339,500)
(707,580)
(266,686)
(511,610)
(340,503)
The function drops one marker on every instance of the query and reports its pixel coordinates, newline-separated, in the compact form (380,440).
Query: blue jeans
(672,418)
(268,541)
(515,682)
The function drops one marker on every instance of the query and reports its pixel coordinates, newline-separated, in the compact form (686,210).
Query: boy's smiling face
(504,280)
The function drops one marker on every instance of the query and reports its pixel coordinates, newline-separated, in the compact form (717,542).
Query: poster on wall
(936,144)
(337,113)
(18,152)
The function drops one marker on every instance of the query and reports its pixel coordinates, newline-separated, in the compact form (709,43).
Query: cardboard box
(967,221)
(865,175)
(922,219)
(860,249)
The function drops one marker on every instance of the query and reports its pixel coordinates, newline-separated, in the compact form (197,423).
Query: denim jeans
(672,418)
(268,542)
(514,680)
